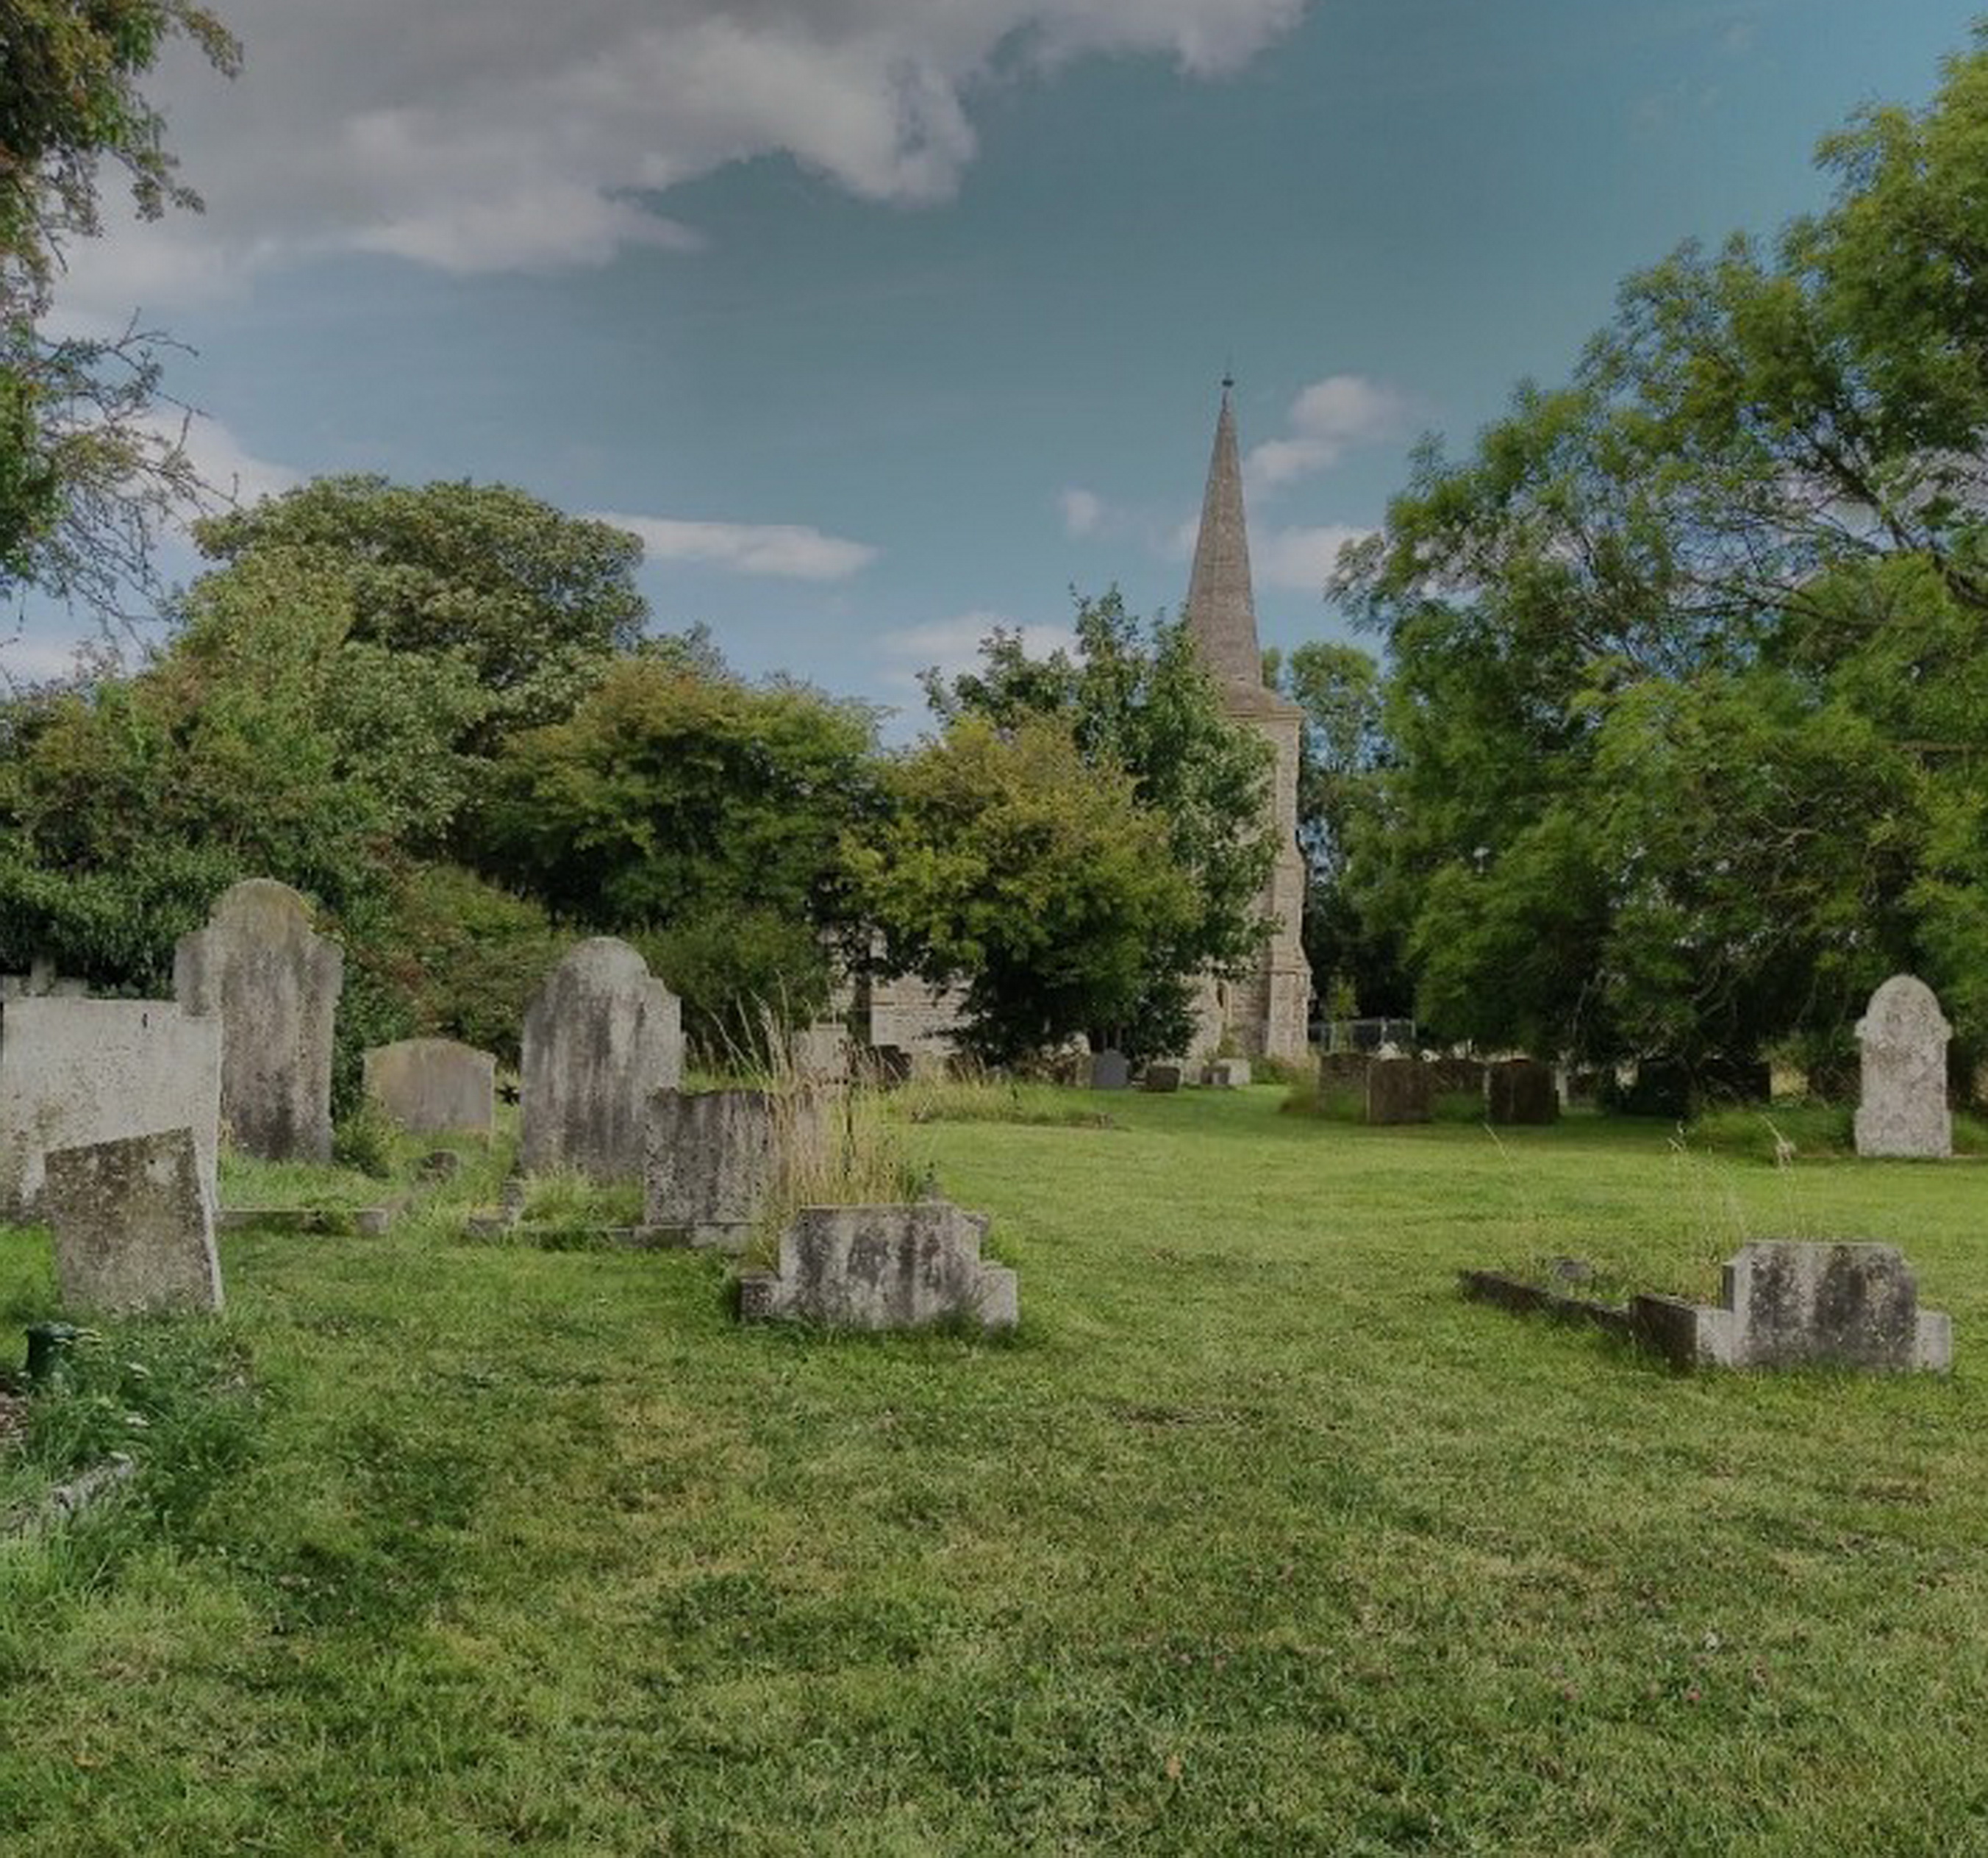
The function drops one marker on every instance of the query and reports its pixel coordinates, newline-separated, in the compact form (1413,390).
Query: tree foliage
(532,604)
(1135,699)
(1339,687)
(1011,863)
(86,471)
(703,814)
(1688,727)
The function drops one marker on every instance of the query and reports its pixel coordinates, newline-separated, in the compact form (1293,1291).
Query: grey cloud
(496,134)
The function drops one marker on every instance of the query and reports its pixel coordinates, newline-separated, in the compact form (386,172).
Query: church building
(1265,1014)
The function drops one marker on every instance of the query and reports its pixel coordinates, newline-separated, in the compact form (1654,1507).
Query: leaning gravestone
(712,1158)
(1902,1108)
(900,1266)
(1110,1071)
(1399,1089)
(133,1225)
(74,1071)
(434,1087)
(601,1037)
(274,984)
(1164,1078)
(1521,1091)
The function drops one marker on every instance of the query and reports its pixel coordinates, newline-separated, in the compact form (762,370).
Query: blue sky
(885,320)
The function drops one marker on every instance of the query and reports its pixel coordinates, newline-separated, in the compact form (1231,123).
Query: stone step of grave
(1786,1303)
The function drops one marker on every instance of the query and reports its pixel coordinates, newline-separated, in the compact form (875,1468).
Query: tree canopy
(1689,740)
(1011,864)
(1135,699)
(86,473)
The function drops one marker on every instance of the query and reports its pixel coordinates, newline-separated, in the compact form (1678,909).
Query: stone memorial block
(1902,1108)
(821,1054)
(1110,1071)
(1398,1090)
(274,984)
(601,1037)
(1792,1303)
(75,1071)
(1161,1077)
(434,1087)
(1226,1074)
(900,1267)
(133,1225)
(714,1155)
(1521,1091)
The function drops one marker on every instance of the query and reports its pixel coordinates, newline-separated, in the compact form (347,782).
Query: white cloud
(1083,511)
(1300,561)
(1326,420)
(787,550)
(953,645)
(479,135)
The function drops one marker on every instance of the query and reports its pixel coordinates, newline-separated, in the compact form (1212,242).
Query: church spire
(1221,611)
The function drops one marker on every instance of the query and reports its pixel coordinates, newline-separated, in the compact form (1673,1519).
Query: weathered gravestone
(133,1225)
(274,984)
(900,1267)
(434,1087)
(73,1071)
(601,1037)
(713,1157)
(1110,1071)
(1902,1108)
(1791,1303)
(1226,1074)
(1162,1078)
(1521,1091)
(1398,1090)
(822,1054)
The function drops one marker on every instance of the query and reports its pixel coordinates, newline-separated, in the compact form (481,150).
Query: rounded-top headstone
(602,1035)
(1902,1108)
(275,983)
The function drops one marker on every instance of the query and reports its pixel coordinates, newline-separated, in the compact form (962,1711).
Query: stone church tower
(1265,1013)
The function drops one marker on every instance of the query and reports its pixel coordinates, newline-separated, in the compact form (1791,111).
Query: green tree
(1689,720)
(1339,687)
(1135,699)
(533,603)
(85,474)
(1010,862)
(702,814)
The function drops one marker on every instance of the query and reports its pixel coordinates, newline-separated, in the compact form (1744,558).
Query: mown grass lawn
(1257,1539)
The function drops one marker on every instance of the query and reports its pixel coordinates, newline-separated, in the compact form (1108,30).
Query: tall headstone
(602,1037)
(1902,1108)
(133,1225)
(1521,1091)
(73,1071)
(713,1156)
(274,983)
(434,1087)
